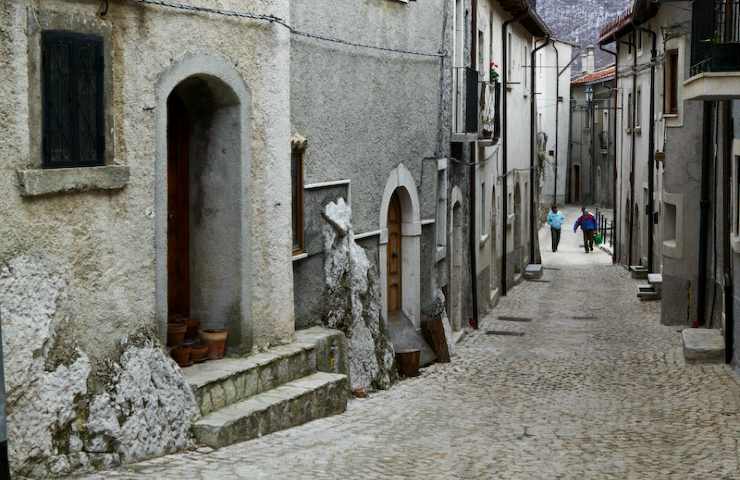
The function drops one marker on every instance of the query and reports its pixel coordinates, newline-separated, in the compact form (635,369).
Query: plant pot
(175,334)
(408,362)
(199,353)
(182,355)
(216,341)
(193,326)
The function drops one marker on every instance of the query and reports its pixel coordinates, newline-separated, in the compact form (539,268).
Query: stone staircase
(244,398)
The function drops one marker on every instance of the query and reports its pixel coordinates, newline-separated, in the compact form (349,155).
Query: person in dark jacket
(587,222)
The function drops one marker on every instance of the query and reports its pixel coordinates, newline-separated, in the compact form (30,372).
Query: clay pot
(408,362)
(199,353)
(193,326)
(175,334)
(182,355)
(216,341)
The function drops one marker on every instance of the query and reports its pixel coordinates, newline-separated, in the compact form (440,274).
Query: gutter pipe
(615,223)
(706,156)
(532,140)
(633,134)
(472,183)
(557,119)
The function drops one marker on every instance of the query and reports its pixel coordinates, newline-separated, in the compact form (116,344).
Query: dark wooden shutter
(296,168)
(72,100)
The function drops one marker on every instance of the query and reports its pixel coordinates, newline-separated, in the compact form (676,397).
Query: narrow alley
(586,384)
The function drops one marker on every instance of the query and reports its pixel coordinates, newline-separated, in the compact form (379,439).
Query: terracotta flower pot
(175,334)
(182,356)
(408,362)
(199,353)
(193,326)
(216,341)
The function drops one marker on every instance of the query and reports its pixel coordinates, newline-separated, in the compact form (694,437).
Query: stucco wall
(364,112)
(99,248)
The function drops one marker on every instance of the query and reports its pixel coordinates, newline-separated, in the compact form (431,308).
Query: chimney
(590,65)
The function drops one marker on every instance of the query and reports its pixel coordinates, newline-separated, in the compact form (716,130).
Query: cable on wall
(282,22)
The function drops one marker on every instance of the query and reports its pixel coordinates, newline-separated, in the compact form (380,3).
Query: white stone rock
(353,301)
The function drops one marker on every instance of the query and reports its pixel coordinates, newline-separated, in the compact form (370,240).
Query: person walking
(587,222)
(555,219)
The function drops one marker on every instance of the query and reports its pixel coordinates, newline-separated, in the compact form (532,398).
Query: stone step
(647,292)
(220,383)
(639,272)
(533,271)
(703,345)
(315,396)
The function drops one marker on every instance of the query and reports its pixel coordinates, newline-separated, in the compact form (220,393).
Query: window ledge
(37,181)
(483,240)
(299,256)
(670,115)
(440,254)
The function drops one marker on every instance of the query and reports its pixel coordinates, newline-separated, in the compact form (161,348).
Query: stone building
(553,119)
(144,154)
(592,148)
(490,175)
(372,129)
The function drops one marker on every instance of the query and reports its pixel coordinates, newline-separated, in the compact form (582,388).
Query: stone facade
(84,250)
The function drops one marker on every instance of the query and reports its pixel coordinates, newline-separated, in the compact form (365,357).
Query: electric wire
(279,21)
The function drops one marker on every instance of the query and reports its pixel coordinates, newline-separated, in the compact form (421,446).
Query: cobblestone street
(595,388)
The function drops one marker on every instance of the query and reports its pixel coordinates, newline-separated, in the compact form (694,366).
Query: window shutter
(72,93)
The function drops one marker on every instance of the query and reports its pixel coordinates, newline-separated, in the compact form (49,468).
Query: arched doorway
(456,266)
(400,241)
(518,206)
(395,255)
(203,215)
(202,188)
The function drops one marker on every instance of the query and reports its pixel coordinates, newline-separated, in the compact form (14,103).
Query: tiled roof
(599,75)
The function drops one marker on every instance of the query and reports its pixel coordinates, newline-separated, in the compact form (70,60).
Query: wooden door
(178,208)
(394,254)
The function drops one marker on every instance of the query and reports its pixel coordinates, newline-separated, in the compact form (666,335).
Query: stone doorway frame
(220,70)
(401,180)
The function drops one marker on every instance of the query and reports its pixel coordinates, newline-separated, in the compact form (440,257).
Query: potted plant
(493,73)
(215,339)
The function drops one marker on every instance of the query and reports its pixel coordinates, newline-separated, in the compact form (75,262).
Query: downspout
(727,125)
(505,147)
(557,118)
(706,156)
(651,153)
(474,145)
(615,223)
(632,150)
(532,153)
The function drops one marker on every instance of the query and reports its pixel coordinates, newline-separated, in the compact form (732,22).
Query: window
(483,193)
(525,54)
(73,126)
(638,110)
(441,220)
(670,80)
(629,112)
(639,41)
(481,53)
(296,171)
(509,59)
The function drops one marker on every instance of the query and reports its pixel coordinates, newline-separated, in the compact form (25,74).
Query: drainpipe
(727,126)
(651,153)
(557,118)
(615,204)
(474,146)
(706,159)
(633,123)
(505,146)
(532,153)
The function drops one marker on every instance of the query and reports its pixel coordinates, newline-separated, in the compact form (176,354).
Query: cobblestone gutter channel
(596,388)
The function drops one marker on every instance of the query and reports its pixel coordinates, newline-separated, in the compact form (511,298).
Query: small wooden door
(394,254)
(178,207)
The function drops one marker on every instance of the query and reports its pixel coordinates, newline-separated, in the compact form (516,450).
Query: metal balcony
(715,43)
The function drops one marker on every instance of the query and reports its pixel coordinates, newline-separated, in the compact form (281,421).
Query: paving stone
(609,398)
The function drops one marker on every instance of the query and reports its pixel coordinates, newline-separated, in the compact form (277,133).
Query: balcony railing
(715,44)
(464,100)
